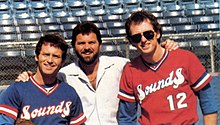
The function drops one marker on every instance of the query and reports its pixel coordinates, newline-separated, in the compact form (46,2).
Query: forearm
(210,119)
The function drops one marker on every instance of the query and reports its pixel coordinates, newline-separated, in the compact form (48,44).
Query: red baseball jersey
(165,90)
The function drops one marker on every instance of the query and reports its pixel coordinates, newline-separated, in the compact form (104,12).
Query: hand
(169,45)
(24,76)
(20,121)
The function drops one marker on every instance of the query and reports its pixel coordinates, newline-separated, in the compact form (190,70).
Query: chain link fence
(19,56)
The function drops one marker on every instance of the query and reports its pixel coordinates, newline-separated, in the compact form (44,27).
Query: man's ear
(36,58)
(158,35)
(63,62)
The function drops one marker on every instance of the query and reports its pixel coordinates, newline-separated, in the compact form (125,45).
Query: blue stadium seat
(69,26)
(118,32)
(93,3)
(111,17)
(5,15)
(7,29)
(98,11)
(216,18)
(10,53)
(20,6)
(56,4)
(68,35)
(212,11)
(157,9)
(60,14)
(205,1)
(183,2)
(180,20)
(90,18)
(8,37)
(105,33)
(101,25)
(195,6)
(158,14)
(31,36)
(65,20)
(170,14)
(37,5)
(44,21)
(149,1)
(26,22)
(78,13)
(210,27)
(186,28)
(132,5)
(42,14)
(7,22)
(164,22)
(29,28)
(202,19)
(190,13)
(115,24)
(50,28)
(4,6)
(125,16)
(112,2)
(117,10)
(168,29)
(173,7)
(212,5)
(75,4)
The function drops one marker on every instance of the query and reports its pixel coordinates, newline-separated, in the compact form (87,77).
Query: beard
(87,61)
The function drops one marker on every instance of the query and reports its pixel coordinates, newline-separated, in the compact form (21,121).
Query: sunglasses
(136,38)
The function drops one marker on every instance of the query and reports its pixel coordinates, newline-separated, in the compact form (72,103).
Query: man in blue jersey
(43,99)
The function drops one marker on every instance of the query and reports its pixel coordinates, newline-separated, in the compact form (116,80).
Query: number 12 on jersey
(179,104)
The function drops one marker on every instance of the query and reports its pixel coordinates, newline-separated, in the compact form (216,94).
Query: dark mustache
(87,50)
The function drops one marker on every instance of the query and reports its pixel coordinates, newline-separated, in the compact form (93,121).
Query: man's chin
(88,62)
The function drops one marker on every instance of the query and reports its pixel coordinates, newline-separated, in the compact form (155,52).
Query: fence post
(127,49)
(212,52)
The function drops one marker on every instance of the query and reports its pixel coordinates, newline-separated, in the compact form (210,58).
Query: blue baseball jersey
(59,104)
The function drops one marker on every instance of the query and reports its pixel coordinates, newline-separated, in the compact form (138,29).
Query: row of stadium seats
(113,29)
(18,21)
(42,9)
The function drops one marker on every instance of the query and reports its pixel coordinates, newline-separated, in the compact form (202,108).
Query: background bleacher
(194,24)
(27,20)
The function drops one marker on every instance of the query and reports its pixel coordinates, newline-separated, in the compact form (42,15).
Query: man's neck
(89,69)
(154,56)
(91,72)
(44,79)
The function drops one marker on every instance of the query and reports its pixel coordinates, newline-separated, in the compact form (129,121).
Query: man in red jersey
(165,84)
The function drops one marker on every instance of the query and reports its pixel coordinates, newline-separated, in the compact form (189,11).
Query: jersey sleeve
(77,115)
(6,120)
(9,102)
(127,113)
(126,92)
(207,100)
(198,77)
